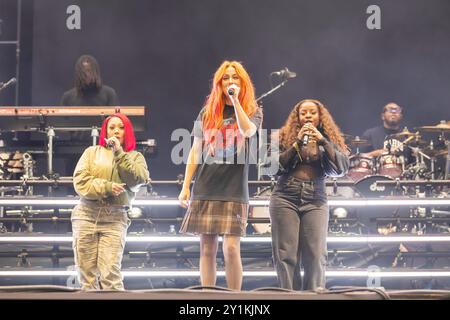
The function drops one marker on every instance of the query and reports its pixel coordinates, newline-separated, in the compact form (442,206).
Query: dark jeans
(299,216)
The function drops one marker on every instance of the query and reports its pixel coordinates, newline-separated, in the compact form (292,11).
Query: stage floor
(344,293)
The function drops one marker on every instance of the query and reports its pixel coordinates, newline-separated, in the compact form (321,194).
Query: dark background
(163,53)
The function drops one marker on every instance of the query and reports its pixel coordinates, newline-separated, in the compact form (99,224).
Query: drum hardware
(357,142)
(22,259)
(335,186)
(345,226)
(416,142)
(399,257)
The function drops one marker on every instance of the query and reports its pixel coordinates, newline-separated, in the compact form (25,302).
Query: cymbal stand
(50,136)
(420,161)
(28,171)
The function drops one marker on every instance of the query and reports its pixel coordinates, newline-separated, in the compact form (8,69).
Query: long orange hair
(288,133)
(215,102)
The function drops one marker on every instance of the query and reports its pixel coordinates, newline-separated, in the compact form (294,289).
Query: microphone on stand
(148,143)
(7,84)
(285,73)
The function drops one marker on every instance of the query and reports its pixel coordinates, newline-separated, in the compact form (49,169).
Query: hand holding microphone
(307,132)
(113,143)
(233,91)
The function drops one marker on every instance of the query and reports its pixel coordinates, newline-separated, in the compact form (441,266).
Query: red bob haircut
(129,141)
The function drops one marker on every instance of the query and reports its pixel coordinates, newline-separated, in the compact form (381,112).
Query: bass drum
(261,212)
(367,187)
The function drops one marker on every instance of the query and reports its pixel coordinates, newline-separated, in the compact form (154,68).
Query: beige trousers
(98,251)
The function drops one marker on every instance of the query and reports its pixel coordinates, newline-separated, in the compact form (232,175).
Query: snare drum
(360,167)
(390,165)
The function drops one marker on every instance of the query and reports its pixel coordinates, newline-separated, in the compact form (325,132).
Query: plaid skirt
(215,217)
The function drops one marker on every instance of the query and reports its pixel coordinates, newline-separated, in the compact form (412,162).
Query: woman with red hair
(106,178)
(219,158)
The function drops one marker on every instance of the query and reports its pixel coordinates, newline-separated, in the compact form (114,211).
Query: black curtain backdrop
(8,32)
(163,53)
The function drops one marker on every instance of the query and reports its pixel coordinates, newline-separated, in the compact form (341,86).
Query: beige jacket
(99,167)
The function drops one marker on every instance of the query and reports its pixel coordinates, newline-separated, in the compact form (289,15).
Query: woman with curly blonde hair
(311,148)
(219,201)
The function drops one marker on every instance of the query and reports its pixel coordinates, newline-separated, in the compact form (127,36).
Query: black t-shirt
(224,175)
(105,96)
(377,138)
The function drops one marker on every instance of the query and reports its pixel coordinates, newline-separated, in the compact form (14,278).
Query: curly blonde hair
(288,133)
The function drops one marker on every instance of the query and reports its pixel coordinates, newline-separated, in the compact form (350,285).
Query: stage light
(250,239)
(340,213)
(246,274)
(174,202)
(135,213)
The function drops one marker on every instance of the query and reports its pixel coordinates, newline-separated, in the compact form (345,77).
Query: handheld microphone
(285,73)
(109,143)
(305,139)
(232,89)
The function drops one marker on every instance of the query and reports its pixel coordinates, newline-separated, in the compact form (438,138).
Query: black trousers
(299,216)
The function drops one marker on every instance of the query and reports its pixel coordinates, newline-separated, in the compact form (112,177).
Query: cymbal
(357,142)
(404,134)
(440,127)
(417,143)
(435,152)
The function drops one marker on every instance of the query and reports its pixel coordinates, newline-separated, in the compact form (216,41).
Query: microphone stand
(260,126)
(272,90)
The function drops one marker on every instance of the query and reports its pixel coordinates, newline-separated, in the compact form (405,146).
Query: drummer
(379,137)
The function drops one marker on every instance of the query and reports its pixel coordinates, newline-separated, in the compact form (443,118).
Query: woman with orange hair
(219,159)
(311,147)
(106,178)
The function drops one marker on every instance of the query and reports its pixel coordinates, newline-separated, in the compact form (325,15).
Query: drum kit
(414,159)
